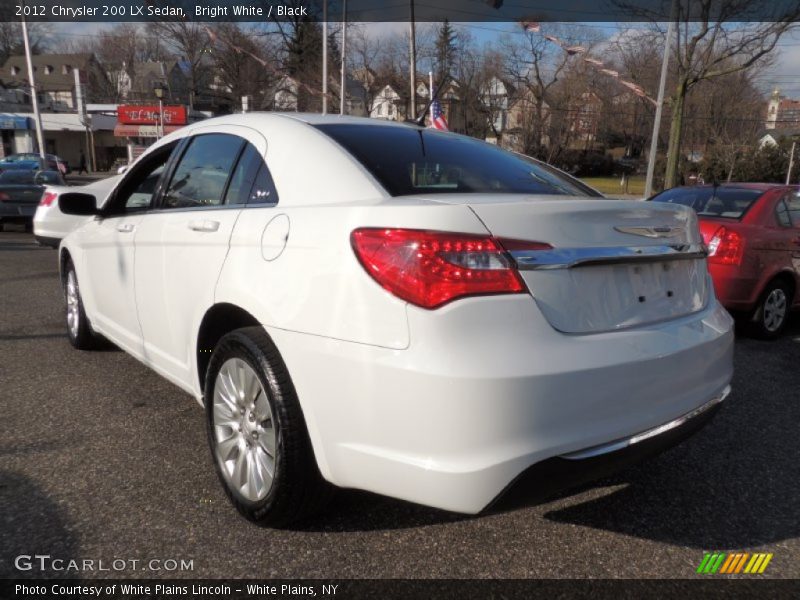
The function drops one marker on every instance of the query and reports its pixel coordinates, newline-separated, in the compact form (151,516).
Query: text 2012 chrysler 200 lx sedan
(392,308)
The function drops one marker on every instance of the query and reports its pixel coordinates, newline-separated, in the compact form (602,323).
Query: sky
(784,73)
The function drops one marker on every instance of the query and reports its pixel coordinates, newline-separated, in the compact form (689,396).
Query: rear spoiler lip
(568,258)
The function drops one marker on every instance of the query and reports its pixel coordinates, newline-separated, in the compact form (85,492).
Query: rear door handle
(205,226)
(125,227)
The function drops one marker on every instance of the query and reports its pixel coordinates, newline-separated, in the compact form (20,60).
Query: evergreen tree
(445,51)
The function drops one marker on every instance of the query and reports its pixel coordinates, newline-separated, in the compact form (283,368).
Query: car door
(792,203)
(109,258)
(181,246)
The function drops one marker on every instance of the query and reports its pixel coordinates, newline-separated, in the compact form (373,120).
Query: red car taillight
(4,197)
(431,268)
(48,198)
(726,247)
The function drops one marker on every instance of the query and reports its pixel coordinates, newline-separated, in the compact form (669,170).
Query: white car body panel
(443,407)
(52,224)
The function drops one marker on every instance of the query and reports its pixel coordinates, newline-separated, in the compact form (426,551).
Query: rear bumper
(734,289)
(15,211)
(487,388)
(52,242)
(554,475)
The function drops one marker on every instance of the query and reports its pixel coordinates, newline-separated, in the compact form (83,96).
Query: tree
(11,43)
(446,50)
(189,42)
(237,56)
(716,38)
(534,65)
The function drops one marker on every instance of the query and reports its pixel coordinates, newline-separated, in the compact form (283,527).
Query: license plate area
(598,298)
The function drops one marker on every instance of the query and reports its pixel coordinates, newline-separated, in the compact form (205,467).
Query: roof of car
(264,118)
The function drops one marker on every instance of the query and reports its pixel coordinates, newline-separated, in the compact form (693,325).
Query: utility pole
(791,164)
(324,57)
(662,84)
(413,65)
(84,119)
(34,99)
(343,92)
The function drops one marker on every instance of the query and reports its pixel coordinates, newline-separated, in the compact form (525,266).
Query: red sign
(149,115)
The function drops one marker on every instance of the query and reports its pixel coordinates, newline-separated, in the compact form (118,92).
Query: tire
(770,316)
(255,423)
(79,330)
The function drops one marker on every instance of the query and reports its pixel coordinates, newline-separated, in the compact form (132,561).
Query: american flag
(437,116)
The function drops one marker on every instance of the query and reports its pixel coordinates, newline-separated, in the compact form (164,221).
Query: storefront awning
(142,131)
(15,122)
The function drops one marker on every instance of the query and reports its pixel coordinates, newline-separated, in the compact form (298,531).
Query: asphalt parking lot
(101,459)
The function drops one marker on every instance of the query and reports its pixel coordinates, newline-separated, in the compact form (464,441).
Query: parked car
(753,234)
(24,159)
(50,225)
(20,192)
(397,309)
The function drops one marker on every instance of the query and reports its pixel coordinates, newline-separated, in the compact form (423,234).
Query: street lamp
(158,90)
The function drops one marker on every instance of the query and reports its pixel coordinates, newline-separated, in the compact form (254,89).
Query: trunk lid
(25,194)
(614,264)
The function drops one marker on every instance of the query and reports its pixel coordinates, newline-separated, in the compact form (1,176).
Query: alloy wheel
(244,430)
(774,310)
(73,304)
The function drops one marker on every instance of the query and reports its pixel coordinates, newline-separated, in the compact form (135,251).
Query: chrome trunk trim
(568,258)
(644,435)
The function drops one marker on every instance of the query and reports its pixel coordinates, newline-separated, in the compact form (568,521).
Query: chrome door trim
(567,258)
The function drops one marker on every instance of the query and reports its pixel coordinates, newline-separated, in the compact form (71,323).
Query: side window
(792,200)
(243,176)
(139,185)
(263,190)
(251,182)
(203,171)
(782,214)
(142,196)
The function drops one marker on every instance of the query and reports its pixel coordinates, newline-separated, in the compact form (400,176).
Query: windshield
(729,203)
(408,160)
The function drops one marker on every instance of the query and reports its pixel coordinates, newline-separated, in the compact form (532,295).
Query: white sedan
(396,309)
(50,224)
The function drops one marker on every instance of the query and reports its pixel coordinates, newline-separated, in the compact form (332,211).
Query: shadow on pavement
(31,524)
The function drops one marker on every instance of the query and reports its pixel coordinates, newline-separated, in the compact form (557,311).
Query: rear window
(17,177)
(729,203)
(409,160)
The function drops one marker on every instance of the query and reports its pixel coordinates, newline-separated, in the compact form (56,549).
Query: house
(387,105)
(55,78)
(782,112)
(285,92)
(584,124)
(773,136)
(511,112)
(139,87)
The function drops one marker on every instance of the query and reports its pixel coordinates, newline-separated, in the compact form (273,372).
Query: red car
(753,235)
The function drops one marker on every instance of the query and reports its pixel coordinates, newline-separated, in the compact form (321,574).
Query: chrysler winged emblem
(653,232)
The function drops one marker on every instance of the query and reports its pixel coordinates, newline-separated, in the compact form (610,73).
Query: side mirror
(75,203)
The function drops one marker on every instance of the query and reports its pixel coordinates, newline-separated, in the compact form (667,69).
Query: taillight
(726,247)
(48,198)
(4,197)
(431,268)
